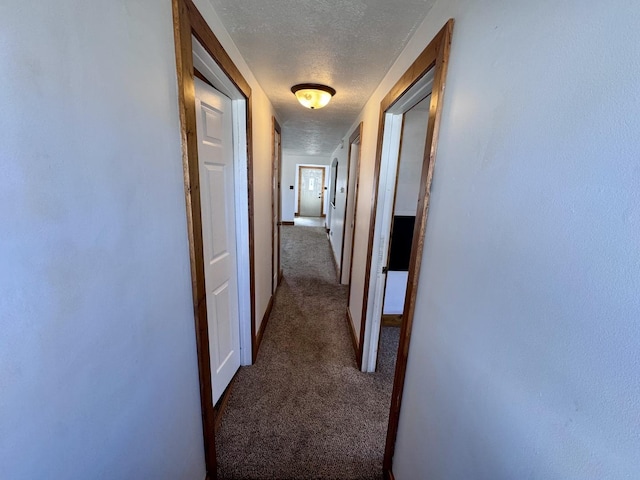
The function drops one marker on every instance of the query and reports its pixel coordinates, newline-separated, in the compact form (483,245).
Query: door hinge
(385,269)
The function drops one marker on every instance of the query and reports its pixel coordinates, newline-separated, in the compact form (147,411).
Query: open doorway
(219,203)
(311,192)
(405,204)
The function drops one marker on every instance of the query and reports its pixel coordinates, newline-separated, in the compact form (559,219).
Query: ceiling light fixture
(312,95)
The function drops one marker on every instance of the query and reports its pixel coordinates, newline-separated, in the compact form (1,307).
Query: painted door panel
(215,159)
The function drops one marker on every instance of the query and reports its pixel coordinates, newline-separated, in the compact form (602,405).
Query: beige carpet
(304,411)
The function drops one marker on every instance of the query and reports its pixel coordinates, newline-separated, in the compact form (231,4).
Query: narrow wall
(98,367)
(524,360)
(414,133)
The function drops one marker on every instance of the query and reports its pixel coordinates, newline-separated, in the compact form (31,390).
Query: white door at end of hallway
(215,160)
(311,191)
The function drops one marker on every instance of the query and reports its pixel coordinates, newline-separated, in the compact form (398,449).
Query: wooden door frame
(276,203)
(355,135)
(435,56)
(312,167)
(352,138)
(188,21)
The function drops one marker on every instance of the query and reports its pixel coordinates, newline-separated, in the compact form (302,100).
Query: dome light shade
(312,95)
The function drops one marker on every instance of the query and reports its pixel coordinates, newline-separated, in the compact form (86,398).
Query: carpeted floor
(304,410)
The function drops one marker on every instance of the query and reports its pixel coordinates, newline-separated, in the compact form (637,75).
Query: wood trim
(388,475)
(187,112)
(391,320)
(201,30)
(276,196)
(263,324)
(354,342)
(297,214)
(198,74)
(322,191)
(252,246)
(354,135)
(435,55)
(333,257)
(357,133)
(187,21)
(222,403)
(288,224)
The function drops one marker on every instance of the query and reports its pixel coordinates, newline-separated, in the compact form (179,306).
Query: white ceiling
(346,44)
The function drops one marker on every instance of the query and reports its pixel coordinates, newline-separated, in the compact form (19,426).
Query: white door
(215,158)
(276,210)
(311,185)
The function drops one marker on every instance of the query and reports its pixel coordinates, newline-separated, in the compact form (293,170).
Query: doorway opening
(424,81)
(311,193)
(351,204)
(410,163)
(311,188)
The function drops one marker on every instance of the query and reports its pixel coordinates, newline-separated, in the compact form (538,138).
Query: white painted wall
(262,113)
(524,357)
(414,135)
(97,353)
(395,292)
(290,178)
(98,368)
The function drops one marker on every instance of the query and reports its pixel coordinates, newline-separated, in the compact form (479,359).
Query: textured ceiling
(346,44)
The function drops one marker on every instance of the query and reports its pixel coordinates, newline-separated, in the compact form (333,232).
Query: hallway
(304,410)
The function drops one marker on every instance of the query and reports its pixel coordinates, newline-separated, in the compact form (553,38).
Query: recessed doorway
(311,191)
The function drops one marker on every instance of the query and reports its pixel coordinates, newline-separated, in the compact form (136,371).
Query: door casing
(276,204)
(432,60)
(222,267)
(354,139)
(188,25)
